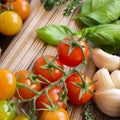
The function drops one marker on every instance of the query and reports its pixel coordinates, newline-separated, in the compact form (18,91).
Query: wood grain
(25,48)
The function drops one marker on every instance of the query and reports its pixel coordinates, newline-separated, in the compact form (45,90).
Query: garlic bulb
(107,94)
(104,80)
(103,59)
(108,101)
(115,75)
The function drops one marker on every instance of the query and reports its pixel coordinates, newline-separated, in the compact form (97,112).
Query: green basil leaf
(95,12)
(49,4)
(53,34)
(106,36)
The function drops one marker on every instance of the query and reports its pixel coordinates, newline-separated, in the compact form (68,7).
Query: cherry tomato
(55,75)
(23,77)
(75,57)
(22,74)
(7,84)
(54,94)
(21,117)
(10,23)
(74,91)
(59,114)
(7,112)
(22,7)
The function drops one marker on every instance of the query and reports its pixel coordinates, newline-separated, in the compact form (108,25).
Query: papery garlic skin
(115,76)
(103,59)
(108,101)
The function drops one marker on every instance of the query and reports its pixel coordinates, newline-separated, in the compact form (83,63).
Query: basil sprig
(95,12)
(105,36)
(53,34)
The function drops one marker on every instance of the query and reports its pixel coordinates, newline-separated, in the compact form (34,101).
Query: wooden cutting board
(25,48)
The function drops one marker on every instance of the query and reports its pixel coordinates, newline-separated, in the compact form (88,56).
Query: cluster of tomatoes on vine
(48,87)
(12,15)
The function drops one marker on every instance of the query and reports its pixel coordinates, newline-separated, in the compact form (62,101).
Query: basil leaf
(49,4)
(106,36)
(95,12)
(53,34)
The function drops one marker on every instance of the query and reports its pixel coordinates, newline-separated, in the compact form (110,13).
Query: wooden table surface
(30,47)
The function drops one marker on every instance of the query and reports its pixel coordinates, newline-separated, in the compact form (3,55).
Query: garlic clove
(104,80)
(103,59)
(115,76)
(108,101)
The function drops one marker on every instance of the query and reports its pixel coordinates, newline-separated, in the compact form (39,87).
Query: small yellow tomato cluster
(13,14)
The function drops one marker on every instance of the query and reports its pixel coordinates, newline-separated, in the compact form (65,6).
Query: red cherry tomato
(53,75)
(74,91)
(23,77)
(54,94)
(75,57)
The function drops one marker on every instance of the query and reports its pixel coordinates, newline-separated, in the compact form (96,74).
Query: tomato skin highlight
(73,91)
(10,23)
(23,78)
(45,72)
(7,112)
(22,7)
(7,84)
(59,114)
(75,57)
(54,94)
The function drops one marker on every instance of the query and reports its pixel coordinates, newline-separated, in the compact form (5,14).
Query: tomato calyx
(35,79)
(50,107)
(12,106)
(63,95)
(21,85)
(50,65)
(52,98)
(73,43)
(84,86)
(4,7)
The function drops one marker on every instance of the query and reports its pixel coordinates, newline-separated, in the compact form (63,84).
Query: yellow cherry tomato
(59,114)
(21,117)
(10,23)
(7,84)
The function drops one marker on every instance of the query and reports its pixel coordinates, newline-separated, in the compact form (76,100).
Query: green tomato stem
(21,85)
(45,90)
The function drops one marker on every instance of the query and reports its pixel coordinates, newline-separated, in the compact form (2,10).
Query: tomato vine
(55,94)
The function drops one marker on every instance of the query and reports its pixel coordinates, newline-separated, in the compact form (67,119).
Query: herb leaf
(105,36)
(87,112)
(53,34)
(95,12)
(49,4)
(70,7)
